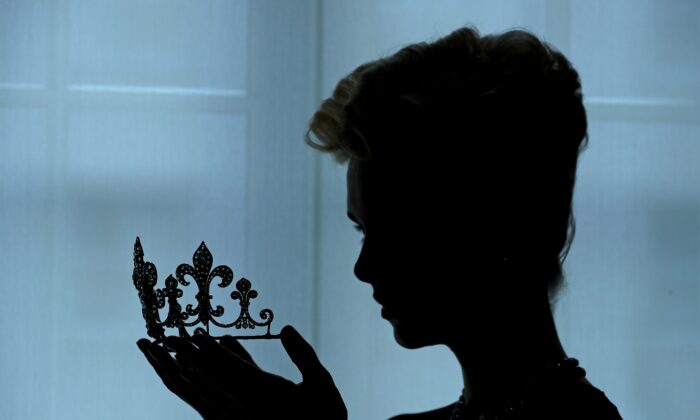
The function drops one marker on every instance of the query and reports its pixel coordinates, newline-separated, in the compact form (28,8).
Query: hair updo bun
(505,109)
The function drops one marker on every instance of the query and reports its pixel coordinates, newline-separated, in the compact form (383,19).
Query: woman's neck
(499,360)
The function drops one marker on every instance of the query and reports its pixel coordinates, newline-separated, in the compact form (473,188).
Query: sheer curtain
(182,121)
(630,310)
(176,121)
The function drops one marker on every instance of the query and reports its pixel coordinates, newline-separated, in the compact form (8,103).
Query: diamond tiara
(145,278)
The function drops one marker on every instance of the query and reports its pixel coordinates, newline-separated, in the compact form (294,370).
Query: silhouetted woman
(462,160)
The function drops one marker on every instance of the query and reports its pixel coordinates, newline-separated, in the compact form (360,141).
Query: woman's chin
(412,336)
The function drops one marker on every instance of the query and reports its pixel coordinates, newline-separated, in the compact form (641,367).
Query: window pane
(156,43)
(358,31)
(172,178)
(416,21)
(25,243)
(634,269)
(637,48)
(25,41)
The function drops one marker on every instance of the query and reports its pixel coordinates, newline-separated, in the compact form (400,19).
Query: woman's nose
(363,264)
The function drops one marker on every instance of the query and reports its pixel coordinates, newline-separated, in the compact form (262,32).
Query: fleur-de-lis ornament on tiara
(145,277)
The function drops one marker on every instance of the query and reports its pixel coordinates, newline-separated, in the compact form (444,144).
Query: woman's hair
(500,117)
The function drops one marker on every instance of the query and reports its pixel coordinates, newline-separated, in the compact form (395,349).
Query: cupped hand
(221,381)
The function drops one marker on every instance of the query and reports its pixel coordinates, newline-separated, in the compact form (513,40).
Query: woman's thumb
(303,355)
(322,390)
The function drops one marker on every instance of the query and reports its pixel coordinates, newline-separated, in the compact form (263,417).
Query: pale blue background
(182,121)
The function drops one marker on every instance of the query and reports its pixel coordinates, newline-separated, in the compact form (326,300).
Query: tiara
(145,278)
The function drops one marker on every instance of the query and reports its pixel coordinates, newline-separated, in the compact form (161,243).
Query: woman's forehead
(379,170)
(364,180)
(380,180)
(356,184)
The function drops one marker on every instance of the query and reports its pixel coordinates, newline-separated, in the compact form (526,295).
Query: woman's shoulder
(441,413)
(572,401)
(575,401)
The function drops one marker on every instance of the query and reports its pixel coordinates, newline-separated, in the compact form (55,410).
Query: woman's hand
(221,381)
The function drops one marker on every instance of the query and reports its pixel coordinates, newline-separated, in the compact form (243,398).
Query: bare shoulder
(441,413)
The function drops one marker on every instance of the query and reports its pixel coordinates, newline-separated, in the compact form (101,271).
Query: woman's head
(462,153)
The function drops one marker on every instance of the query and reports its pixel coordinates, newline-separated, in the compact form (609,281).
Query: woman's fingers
(239,377)
(167,370)
(232,345)
(197,388)
(221,380)
(318,387)
(226,360)
(180,345)
(144,345)
(224,402)
(303,356)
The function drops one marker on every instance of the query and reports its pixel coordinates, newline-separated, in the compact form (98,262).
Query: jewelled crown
(145,277)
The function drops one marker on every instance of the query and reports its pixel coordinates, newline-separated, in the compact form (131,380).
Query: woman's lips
(389,309)
(389,313)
